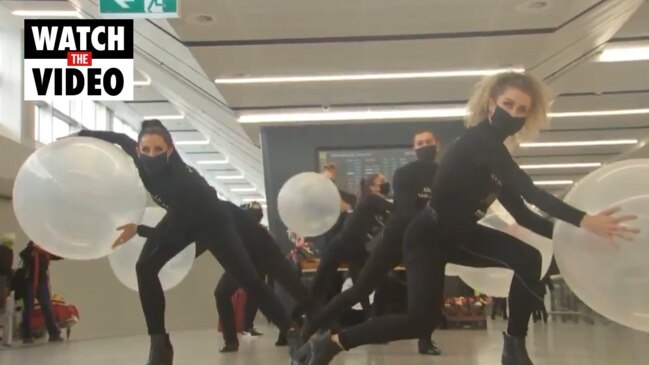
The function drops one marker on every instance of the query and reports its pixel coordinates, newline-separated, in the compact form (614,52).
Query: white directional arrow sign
(138,9)
(124,3)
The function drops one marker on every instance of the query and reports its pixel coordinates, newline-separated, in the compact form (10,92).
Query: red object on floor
(239,303)
(63,314)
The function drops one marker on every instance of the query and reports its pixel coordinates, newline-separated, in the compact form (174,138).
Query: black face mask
(506,125)
(154,165)
(385,189)
(427,153)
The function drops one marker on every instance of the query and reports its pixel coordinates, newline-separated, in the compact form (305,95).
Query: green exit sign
(139,8)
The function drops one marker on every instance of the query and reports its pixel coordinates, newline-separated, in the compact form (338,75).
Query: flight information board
(354,164)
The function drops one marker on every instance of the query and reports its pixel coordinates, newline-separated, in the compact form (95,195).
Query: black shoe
(229,347)
(294,342)
(56,338)
(514,351)
(28,341)
(161,351)
(428,347)
(323,350)
(281,340)
(252,332)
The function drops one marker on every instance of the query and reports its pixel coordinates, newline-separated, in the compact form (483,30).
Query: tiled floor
(553,343)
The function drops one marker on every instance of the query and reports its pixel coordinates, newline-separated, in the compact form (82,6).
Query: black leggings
(384,258)
(267,258)
(426,256)
(343,248)
(250,311)
(223,241)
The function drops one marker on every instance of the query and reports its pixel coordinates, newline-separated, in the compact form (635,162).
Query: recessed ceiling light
(212,162)
(47,13)
(165,117)
(401,113)
(354,115)
(553,182)
(229,177)
(611,142)
(599,113)
(359,77)
(561,165)
(191,143)
(627,51)
(243,190)
(145,82)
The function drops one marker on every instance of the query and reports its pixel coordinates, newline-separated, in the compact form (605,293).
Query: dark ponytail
(366,184)
(155,126)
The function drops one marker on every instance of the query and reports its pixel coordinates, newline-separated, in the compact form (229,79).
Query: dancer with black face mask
(348,246)
(476,169)
(412,190)
(194,214)
(268,259)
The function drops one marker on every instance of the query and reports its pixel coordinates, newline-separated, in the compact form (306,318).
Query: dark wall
(288,150)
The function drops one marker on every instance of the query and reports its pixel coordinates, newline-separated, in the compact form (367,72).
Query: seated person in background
(37,264)
(251,307)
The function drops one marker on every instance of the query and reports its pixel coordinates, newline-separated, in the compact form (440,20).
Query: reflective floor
(552,343)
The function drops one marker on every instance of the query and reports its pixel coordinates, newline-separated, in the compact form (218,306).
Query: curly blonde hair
(492,86)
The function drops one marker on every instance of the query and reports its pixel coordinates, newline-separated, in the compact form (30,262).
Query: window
(37,117)
(76,109)
(62,105)
(44,131)
(101,117)
(59,128)
(60,118)
(120,127)
(88,114)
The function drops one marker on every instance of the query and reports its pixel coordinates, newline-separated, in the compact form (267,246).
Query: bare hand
(604,224)
(128,231)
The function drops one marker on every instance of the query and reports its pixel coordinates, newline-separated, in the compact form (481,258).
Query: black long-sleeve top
(475,171)
(180,189)
(368,218)
(413,186)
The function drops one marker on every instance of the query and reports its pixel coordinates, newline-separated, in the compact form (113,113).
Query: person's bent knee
(145,269)
(529,265)
(252,284)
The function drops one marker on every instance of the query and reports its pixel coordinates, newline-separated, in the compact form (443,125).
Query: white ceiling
(558,42)
(285,19)
(312,37)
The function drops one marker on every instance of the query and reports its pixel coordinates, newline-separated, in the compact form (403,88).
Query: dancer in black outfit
(348,246)
(251,307)
(412,190)
(194,214)
(267,258)
(475,170)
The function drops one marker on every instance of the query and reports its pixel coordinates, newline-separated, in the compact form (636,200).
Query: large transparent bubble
(70,196)
(124,258)
(309,204)
(613,283)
